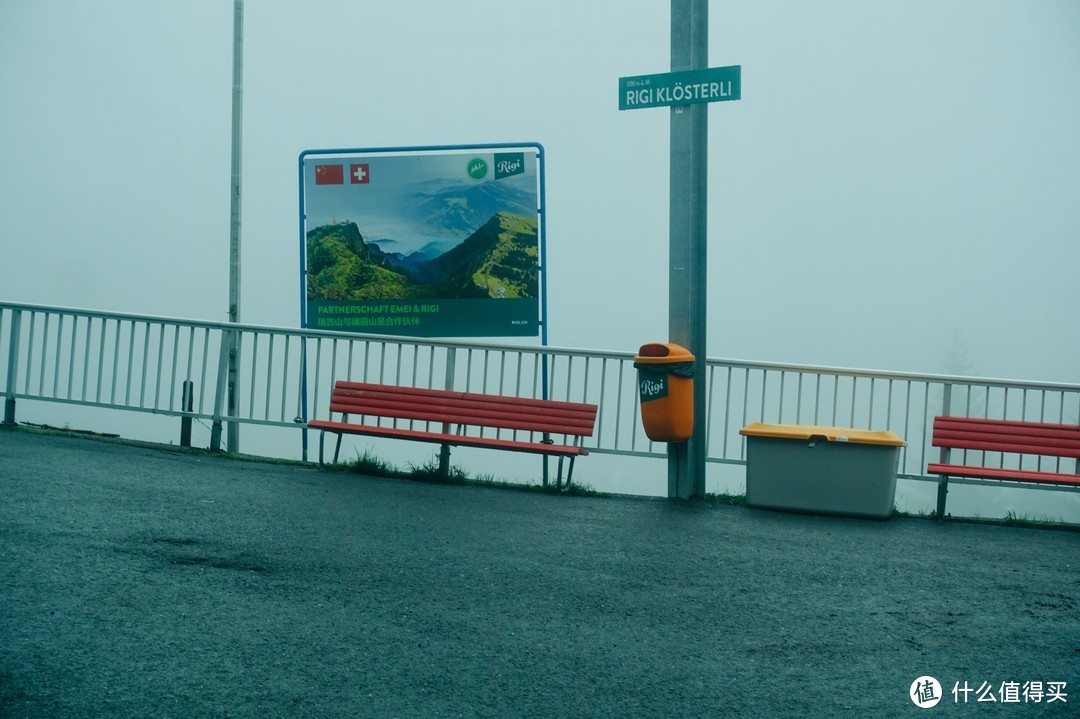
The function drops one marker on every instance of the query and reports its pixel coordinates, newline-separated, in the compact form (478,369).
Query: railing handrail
(552,350)
(894,375)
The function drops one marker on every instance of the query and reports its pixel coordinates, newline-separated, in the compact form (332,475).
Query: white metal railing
(142,363)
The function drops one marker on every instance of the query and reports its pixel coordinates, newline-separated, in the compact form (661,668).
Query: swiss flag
(329,174)
(359,174)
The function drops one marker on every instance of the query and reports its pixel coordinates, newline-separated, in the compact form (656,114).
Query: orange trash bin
(666,391)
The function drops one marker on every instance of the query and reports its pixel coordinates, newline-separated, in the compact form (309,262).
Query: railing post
(451,361)
(219,392)
(13,367)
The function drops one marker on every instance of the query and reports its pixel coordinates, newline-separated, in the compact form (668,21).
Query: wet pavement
(149,581)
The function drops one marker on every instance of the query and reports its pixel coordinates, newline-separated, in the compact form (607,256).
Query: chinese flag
(329,175)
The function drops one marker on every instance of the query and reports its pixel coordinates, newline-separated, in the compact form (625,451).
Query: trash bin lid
(833,434)
(662,353)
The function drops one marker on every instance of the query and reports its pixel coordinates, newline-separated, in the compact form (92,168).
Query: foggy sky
(896,189)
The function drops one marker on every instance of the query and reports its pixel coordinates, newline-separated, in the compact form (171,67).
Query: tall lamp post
(687,89)
(233,435)
(688,265)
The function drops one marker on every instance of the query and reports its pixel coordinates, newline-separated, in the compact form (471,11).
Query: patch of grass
(732,500)
(369,464)
(372,466)
(429,472)
(579,489)
(1012,519)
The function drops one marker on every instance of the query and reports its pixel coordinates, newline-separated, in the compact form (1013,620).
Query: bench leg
(337,447)
(942,493)
(444,461)
(322,440)
(569,474)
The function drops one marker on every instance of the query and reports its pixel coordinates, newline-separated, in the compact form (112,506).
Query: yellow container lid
(662,353)
(833,434)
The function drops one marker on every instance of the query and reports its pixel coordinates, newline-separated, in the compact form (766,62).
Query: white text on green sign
(688,87)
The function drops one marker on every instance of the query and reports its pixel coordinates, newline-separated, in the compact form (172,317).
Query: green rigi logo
(508,164)
(477,168)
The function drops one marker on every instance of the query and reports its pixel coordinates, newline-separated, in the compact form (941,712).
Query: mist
(895,190)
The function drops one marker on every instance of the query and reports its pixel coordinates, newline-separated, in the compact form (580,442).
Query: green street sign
(688,87)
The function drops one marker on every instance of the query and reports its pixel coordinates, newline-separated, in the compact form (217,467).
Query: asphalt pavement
(149,581)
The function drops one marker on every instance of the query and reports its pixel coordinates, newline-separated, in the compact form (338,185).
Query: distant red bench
(453,414)
(1007,436)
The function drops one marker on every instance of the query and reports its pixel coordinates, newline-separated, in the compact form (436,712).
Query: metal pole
(233,439)
(544,388)
(187,403)
(448,384)
(220,388)
(13,366)
(688,267)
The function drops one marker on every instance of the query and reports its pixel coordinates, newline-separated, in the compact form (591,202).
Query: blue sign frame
(408,317)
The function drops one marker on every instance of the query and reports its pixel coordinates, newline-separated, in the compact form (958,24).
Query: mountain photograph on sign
(458,210)
(497,260)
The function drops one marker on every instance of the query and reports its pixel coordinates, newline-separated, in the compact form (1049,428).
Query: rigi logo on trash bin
(653,386)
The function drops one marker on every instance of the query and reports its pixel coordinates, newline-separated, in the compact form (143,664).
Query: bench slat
(1051,440)
(485,417)
(1005,443)
(445,405)
(1007,436)
(458,420)
(460,399)
(1013,424)
(461,408)
(960,470)
(344,386)
(1032,430)
(458,440)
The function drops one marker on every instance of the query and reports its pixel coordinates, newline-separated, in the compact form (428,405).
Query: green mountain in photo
(340,266)
(498,260)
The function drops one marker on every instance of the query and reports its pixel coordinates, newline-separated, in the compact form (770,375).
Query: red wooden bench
(458,419)
(1007,436)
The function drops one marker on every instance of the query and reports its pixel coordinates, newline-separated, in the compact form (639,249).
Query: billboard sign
(423,242)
